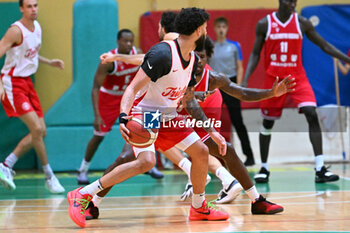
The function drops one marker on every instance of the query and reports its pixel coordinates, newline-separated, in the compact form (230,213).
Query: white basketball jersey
(22,60)
(165,94)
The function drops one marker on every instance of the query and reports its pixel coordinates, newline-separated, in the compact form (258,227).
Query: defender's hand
(220,141)
(283,87)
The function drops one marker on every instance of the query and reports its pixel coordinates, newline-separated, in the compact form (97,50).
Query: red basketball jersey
(214,100)
(211,104)
(117,81)
(283,45)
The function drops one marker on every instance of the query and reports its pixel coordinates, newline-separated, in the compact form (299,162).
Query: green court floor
(282,179)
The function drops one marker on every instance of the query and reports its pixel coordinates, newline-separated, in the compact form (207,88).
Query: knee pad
(264,131)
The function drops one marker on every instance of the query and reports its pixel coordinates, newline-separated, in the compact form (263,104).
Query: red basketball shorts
(109,107)
(303,95)
(20,96)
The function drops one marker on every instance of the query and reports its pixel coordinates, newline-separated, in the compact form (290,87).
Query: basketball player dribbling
(158,76)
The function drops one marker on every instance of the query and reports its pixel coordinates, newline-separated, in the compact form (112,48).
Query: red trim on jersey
(11,71)
(203,83)
(138,100)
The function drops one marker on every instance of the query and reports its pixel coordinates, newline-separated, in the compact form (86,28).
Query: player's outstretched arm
(194,109)
(140,80)
(251,94)
(260,31)
(317,39)
(136,59)
(52,62)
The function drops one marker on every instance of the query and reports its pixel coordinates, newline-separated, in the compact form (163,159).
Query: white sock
(84,167)
(265,166)
(197,200)
(48,171)
(92,188)
(11,160)
(185,165)
(252,193)
(319,161)
(97,200)
(225,177)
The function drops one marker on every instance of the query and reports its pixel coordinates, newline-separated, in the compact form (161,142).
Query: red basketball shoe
(77,204)
(208,211)
(261,206)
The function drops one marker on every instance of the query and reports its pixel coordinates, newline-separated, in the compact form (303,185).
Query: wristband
(122,120)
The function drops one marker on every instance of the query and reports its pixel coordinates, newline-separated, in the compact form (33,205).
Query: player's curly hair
(168,21)
(189,19)
(120,33)
(20,2)
(208,47)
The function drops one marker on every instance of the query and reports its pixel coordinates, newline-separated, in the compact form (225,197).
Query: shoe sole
(325,181)
(206,219)
(71,215)
(271,211)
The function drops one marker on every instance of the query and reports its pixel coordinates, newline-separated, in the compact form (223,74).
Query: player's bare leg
(82,196)
(240,172)
(175,156)
(231,187)
(91,148)
(34,139)
(264,141)
(200,155)
(322,174)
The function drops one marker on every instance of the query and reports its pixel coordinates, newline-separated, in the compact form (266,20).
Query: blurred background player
(21,43)
(282,32)
(227,59)
(110,82)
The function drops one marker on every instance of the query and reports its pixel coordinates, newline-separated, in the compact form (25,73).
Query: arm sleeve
(157,61)
(193,81)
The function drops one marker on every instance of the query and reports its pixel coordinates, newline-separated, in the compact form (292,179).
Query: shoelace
(84,205)
(211,205)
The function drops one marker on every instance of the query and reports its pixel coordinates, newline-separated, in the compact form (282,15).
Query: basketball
(139,136)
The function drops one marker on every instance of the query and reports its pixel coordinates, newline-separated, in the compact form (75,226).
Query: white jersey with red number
(165,94)
(22,60)
(117,81)
(283,45)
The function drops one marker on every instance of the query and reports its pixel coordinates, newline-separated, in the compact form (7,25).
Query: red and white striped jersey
(123,73)
(22,60)
(283,44)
